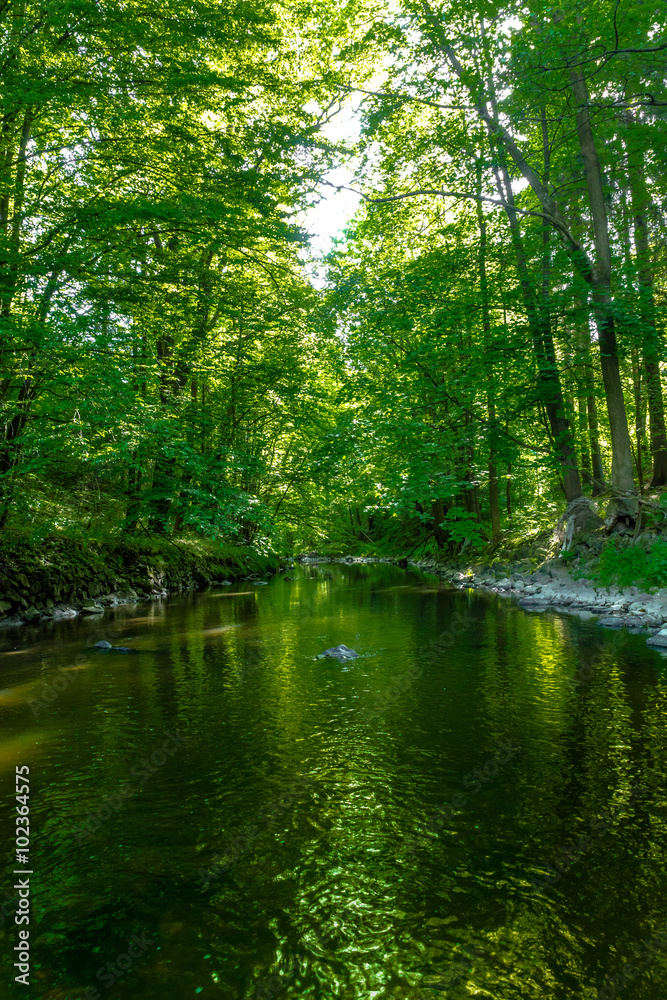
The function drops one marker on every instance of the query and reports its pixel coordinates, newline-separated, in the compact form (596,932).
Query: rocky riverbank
(63,577)
(551,586)
(554,586)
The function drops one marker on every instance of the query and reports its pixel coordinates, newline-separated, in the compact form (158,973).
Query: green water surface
(479,801)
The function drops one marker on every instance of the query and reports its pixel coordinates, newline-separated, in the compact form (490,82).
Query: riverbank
(61,577)
(553,585)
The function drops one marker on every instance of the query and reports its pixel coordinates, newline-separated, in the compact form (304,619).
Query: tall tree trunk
(597,276)
(133,509)
(539,324)
(494,498)
(651,342)
(584,443)
(639,416)
(621,466)
(494,492)
(438,515)
(596,454)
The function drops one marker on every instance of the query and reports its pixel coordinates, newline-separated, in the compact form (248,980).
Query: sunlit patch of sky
(326,220)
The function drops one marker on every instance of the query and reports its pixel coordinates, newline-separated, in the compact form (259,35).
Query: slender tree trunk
(438,515)
(621,466)
(494,497)
(133,510)
(508,495)
(584,443)
(596,454)
(651,341)
(494,492)
(598,276)
(639,416)
(539,323)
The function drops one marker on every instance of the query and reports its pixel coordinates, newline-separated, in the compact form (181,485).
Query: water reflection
(340,830)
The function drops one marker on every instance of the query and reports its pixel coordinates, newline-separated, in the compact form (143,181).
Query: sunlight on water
(459,807)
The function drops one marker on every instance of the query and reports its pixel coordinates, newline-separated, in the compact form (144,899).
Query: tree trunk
(494,498)
(639,416)
(133,511)
(539,324)
(598,276)
(596,454)
(621,466)
(438,515)
(584,443)
(651,350)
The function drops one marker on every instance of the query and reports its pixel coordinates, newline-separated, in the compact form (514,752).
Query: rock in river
(341,652)
(106,647)
(659,640)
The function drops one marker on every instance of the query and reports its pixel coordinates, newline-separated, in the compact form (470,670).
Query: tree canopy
(489,344)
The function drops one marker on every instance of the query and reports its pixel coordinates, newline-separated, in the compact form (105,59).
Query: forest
(483,343)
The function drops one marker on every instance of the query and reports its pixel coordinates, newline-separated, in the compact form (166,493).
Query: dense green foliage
(627,566)
(490,339)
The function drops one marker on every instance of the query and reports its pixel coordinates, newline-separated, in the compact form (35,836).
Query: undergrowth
(631,566)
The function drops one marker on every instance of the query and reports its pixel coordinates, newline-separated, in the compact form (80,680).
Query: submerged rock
(341,652)
(106,647)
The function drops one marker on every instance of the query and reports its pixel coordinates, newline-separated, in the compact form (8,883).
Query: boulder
(341,652)
(611,622)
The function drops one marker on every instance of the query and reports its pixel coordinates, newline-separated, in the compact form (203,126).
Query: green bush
(632,565)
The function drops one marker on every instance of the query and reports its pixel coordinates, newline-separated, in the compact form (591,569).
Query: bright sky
(328,219)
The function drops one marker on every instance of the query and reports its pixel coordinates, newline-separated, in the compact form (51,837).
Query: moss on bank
(37,575)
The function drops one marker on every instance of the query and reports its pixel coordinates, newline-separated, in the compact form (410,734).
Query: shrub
(632,565)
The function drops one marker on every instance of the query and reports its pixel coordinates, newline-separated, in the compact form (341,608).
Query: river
(478,801)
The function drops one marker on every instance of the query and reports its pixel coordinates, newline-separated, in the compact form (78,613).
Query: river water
(477,802)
